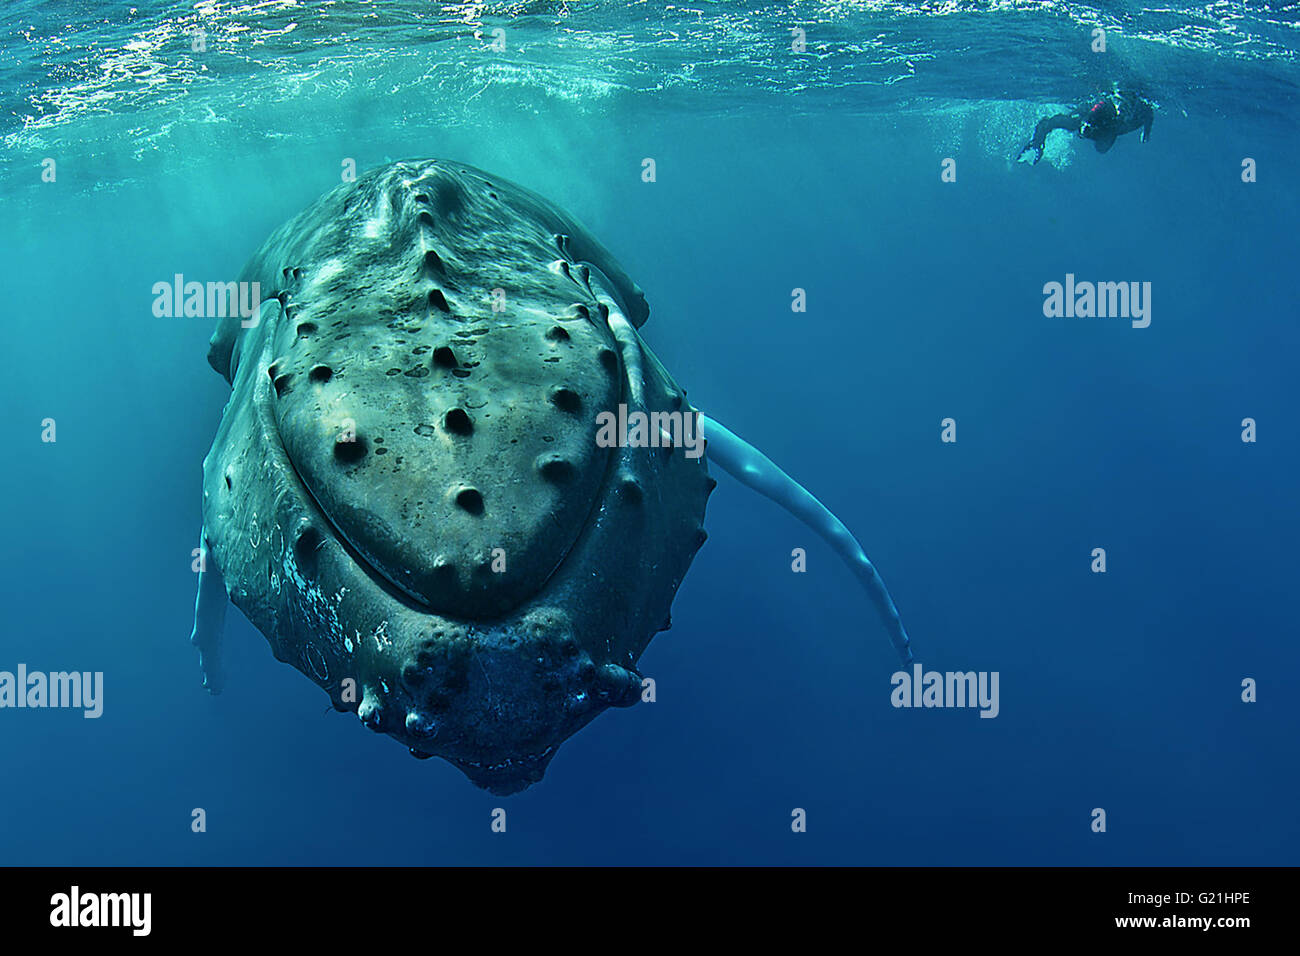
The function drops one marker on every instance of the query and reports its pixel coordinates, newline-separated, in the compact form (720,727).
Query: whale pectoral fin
(751,467)
(209,621)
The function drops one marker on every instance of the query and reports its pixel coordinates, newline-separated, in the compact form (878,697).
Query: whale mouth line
(392,587)
(358,558)
(409,564)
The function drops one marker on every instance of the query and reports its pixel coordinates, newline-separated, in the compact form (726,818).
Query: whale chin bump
(405,490)
(421,725)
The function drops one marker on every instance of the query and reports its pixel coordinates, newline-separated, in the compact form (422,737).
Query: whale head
(406,494)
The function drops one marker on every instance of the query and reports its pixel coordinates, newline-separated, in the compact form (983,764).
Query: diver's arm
(745,462)
(1135,113)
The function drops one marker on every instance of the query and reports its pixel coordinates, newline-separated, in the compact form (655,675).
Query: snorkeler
(1101,121)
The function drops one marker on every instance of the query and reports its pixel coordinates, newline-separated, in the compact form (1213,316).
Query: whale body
(407,495)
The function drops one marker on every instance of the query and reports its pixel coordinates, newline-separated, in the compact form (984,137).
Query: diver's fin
(751,467)
(1035,153)
(209,620)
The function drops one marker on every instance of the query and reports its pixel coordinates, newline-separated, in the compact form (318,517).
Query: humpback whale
(405,493)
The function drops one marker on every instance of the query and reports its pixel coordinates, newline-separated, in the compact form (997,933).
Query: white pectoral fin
(751,467)
(209,622)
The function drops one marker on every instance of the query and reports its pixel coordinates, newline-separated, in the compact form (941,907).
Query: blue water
(821,171)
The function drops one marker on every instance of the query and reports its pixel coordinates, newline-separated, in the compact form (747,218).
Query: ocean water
(774,171)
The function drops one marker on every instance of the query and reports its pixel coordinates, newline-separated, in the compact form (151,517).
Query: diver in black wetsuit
(1100,121)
